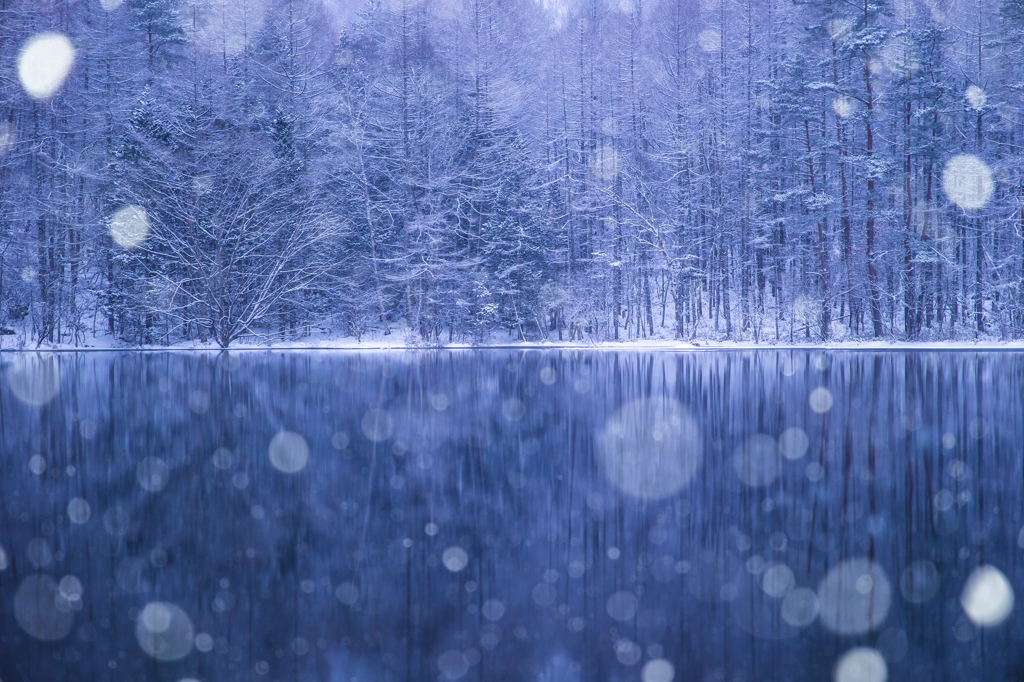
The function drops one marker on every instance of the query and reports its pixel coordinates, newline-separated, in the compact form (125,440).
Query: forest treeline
(452,169)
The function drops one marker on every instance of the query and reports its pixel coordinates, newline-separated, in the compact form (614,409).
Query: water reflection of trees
(340,570)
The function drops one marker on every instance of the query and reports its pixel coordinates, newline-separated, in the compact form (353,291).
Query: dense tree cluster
(771,170)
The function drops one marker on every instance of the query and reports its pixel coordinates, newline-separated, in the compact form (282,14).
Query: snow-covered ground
(401,338)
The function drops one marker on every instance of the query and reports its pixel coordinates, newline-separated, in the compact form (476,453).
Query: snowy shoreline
(397,342)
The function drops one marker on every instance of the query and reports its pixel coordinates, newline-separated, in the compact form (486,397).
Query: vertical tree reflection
(508,515)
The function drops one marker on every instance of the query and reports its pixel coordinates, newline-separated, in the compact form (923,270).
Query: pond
(511,515)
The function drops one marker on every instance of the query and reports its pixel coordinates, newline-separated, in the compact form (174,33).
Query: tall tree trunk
(876,310)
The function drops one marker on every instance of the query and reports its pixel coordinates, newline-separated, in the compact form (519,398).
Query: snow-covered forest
(448,169)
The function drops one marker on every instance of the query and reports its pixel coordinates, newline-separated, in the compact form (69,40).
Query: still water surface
(511,515)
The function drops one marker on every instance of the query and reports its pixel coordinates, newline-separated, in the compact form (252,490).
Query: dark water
(503,515)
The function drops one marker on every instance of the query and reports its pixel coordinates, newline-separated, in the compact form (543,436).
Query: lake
(511,515)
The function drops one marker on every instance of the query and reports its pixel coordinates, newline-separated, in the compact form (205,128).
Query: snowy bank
(397,340)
